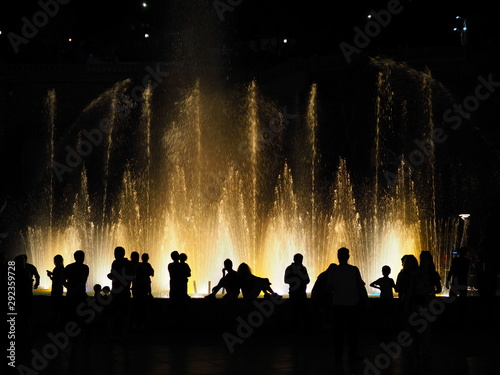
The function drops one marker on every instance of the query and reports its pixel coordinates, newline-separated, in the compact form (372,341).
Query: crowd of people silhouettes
(339,290)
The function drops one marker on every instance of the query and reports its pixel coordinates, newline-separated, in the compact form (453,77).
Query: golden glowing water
(224,201)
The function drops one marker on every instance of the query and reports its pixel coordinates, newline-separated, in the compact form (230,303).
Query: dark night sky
(315,28)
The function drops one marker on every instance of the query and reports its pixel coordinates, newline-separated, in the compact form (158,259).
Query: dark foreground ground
(206,337)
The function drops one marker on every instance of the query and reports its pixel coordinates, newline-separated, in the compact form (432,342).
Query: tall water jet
(427,135)
(112,117)
(253,137)
(286,233)
(145,124)
(344,223)
(312,123)
(51,109)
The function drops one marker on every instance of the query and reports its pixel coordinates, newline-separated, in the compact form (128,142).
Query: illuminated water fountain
(210,178)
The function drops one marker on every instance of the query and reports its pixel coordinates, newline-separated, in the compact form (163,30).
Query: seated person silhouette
(252,285)
(230,281)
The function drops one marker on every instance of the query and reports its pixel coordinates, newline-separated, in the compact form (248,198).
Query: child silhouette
(385,284)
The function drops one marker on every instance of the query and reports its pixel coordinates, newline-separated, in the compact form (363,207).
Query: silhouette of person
(148,272)
(122,274)
(386,286)
(297,278)
(33,272)
(252,285)
(140,286)
(174,270)
(24,291)
(106,293)
(185,274)
(402,267)
(98,294)
(428,284)
(56,292)
(134,258)
(76,275)
(137,293)
(322,296)
(99,303)
(347,285)
(403,260)
(138,289)
(459,274)
(97,290)
(405,286)
(230,281)
(429,279)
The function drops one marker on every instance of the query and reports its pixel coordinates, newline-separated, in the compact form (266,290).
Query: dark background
(114,29)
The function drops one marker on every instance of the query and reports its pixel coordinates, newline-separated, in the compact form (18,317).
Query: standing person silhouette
(459,274)
(141,290)
(321,298)
(405,286)
(428,284)
(347,285)
(24,294)
(33,272)
(56,292)
(457,282)
(76,275)
(149,272)
(175,277)
(122,275)
(185,274)
(297,278)
(429,279)
(386,286)
(138,290)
